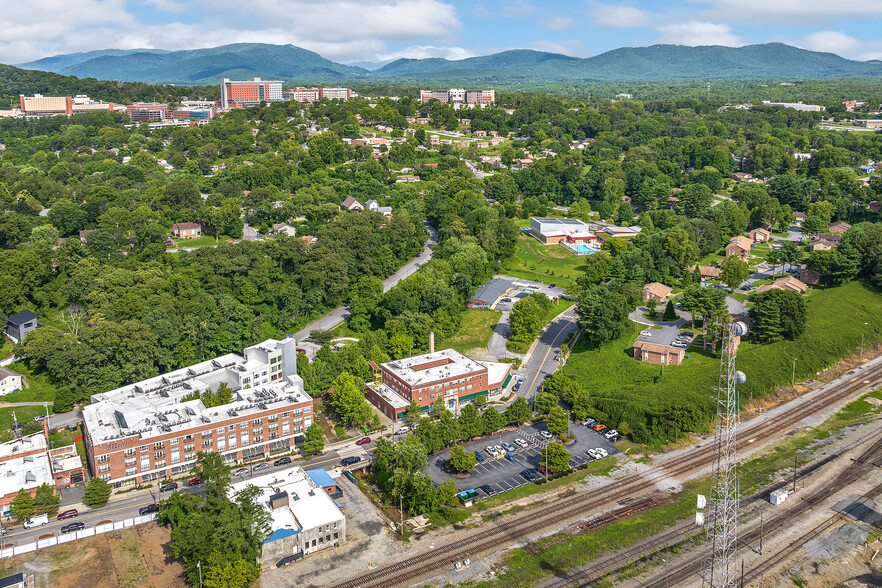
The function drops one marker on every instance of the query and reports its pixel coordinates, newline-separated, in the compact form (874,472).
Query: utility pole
(761,532)
(863,332)
(719,570)
(199,567)
(795,468)
(793,376)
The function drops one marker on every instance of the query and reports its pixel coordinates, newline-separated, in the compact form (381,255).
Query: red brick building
(187,230)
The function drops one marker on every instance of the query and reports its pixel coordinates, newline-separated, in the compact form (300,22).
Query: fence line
(91,532)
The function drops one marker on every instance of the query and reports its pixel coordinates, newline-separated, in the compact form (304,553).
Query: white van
(37,521)
(403,430)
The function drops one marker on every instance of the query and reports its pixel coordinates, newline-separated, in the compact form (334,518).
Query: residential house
(656,291)
(787,283)
(20,324)
(875,205)
(10,381)
(739,245)
(839,227)
(798,218)
(480,133)
(868,168)
(407,178)
(707,272)
(187,230)
(434,140)
(351,204)
(374,206)
(808,276)
(822,245)
(284,229)
(760,235)
(741,176)
(658,354)
(85,233)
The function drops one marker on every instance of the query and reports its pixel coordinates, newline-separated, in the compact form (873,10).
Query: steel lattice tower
(721,526)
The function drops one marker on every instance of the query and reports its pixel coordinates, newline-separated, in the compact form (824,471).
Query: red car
(68,514)
(363,441)
(195,482)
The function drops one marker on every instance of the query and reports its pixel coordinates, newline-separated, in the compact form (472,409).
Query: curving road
(541,361)
(339,314)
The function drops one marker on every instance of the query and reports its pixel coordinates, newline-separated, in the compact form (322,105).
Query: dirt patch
(134,557)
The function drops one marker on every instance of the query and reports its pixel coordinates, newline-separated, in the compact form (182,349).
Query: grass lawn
(207,240)
(556,309)
(543,263)
(712,258)
(39,389)
(5,347)
(24,414)
(629,390)
(474,331)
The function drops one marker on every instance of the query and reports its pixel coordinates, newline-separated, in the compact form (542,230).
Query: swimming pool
(583,249)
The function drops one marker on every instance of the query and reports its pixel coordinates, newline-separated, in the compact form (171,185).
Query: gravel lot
(504,475)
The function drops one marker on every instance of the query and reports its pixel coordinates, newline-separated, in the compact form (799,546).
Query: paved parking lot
(522,289)
(664,336)
(504,475)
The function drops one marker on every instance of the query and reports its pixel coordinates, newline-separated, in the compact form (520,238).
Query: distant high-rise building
(39,105)
(310,95)
(249,93)
(458,96)
(147,111)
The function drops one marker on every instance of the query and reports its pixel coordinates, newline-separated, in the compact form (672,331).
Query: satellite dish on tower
(740,378)
(739,329)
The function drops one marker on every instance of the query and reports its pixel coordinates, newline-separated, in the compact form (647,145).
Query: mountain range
(290,63)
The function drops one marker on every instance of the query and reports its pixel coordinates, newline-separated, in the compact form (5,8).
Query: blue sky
(377,30)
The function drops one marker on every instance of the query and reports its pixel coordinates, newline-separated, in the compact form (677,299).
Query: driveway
(504,475)
(638,317)
(339,314)
(499,338)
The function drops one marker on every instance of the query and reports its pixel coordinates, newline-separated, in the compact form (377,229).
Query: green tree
(670,314)
(555,458)
(469,421)
(230,574)
(492,421)
(22,507)
(44,235)
(349,401)
(518,411)
(461,461)
(813,225)
(544,402)
(696,199)
(777,314)
(790,252)
(45,500)
(314,440)
(211,468)
(97,493)
(557,420)
(413,413)
(603,313)
(733,271)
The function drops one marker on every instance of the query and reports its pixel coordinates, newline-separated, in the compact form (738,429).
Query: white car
(546,434)
(491,451)
(611,433)
(601,452)
(521,442)
(592,453)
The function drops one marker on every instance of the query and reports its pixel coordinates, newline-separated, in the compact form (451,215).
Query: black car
(528,475)
(488,489)
(150,508)
(282,461)
(350,460)
(478,456)
(72,527)
(169,487)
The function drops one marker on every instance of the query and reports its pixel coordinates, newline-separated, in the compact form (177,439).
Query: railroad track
(516,530)
(858,468)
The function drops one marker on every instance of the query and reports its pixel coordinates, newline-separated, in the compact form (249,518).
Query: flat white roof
(309,506)
(496,372)
(410,371)
(24,445)
(27,472)
(391,396)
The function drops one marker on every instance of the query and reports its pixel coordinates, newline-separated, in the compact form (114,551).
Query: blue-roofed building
(324,480)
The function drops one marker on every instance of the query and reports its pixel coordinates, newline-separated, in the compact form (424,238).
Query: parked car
(611,433)
(521,442)
(491,451)
(509,457)
(68,514)
(240,472)
(170,486)
(301,350)
(72,527)
(261,466)
(589,422)
(498,450)
(506,300)
(602,452)
(39,417)
(687,333)
(478,457)
(599,427)
(282,461)
(403,430)
(363,441)
(528,475)
(546,434)
(592,453)
(350,460)
(542,470)
(37,521)
(507,446)
(150,508)
(488,489)
(195,482)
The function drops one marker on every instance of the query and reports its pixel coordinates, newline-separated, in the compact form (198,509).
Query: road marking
(547,353)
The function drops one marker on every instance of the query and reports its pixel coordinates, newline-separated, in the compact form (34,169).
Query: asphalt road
(542,361)
(339,314)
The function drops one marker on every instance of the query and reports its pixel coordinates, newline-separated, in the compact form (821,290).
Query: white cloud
(695,33)
(425,51)
(560,23)
(571,47)
(167,6)
(831,41)
(518,8)
(790,11)
(619,16)
(337,29)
